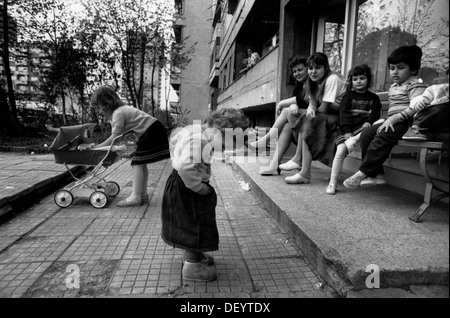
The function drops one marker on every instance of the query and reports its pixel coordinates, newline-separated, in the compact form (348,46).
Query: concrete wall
(194,89)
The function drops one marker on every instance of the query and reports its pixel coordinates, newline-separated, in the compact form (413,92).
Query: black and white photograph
(224,156)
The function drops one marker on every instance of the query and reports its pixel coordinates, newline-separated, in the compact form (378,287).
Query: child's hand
(279,109)
(293,109)
(205,190)
(347,135)
(365,126)
(85,147)
(421,104)
(385,126)
(310,112)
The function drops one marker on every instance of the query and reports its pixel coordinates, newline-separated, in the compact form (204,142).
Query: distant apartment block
(192,86)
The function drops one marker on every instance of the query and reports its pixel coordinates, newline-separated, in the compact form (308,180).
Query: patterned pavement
(118,252)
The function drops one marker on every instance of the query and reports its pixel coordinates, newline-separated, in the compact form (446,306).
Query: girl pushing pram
(152,144)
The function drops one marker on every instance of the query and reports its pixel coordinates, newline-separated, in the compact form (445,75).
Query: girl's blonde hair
(228,118)
(107,98)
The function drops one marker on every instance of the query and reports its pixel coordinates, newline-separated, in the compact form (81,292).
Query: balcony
(257,88)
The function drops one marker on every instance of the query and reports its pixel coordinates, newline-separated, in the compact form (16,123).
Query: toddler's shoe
(378,180)
(331,189)
(128,203)
(414,134)
(290,165)
(198,272)
(296,179)
(269,172)
(355,180)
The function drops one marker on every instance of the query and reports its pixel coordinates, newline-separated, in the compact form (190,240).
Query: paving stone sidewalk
(118,252)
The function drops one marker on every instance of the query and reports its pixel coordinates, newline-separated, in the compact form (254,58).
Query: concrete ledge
(340,235)
(329,270)
(32,192)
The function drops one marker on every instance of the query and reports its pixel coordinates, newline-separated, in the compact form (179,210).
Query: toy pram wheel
(98,199)
(63,198)
(112,188)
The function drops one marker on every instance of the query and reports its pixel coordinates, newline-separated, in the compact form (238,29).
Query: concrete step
(344,235)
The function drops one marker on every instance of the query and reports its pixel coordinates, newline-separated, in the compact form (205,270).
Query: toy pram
(66,151)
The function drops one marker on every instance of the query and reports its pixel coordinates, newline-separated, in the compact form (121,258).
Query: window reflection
(333,44)
(384,25)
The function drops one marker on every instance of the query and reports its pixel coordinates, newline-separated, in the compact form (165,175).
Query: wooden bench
(429,196)
(433,192)
(425,147)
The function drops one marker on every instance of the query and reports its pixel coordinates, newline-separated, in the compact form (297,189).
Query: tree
(170,56)
(124,30)
(52,27)
(49,26)
(70,73)
(411,17)
(139,36)
(10,122)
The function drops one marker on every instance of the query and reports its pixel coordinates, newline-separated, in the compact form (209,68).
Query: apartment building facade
(350,32)
(194,27)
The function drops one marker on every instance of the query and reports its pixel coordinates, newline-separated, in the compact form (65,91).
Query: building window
(333,44)
(178,31)
(384,25)
(215,52)
(225,77)
(232,6)
(179,7)
(271,44)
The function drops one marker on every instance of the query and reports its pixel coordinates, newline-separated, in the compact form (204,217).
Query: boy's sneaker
(415,135)
(355,180)
(198,272)
(378,180)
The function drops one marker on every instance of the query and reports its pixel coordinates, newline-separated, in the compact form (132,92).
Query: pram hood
(69,137)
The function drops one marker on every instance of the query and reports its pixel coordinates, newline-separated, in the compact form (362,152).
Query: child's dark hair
(410,55)
(363,69)
(319,58)
(106,97)
(297,60)
(311,89)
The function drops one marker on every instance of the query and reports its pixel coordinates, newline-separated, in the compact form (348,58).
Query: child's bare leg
(295,163)
(135,197)
(306,161)
(298,152)
(338,160)
(144,195)
(138,182)
(304,175)
(282,145)
(273,132)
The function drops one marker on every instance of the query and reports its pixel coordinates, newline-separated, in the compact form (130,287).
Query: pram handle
(127,133)
(116,138)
